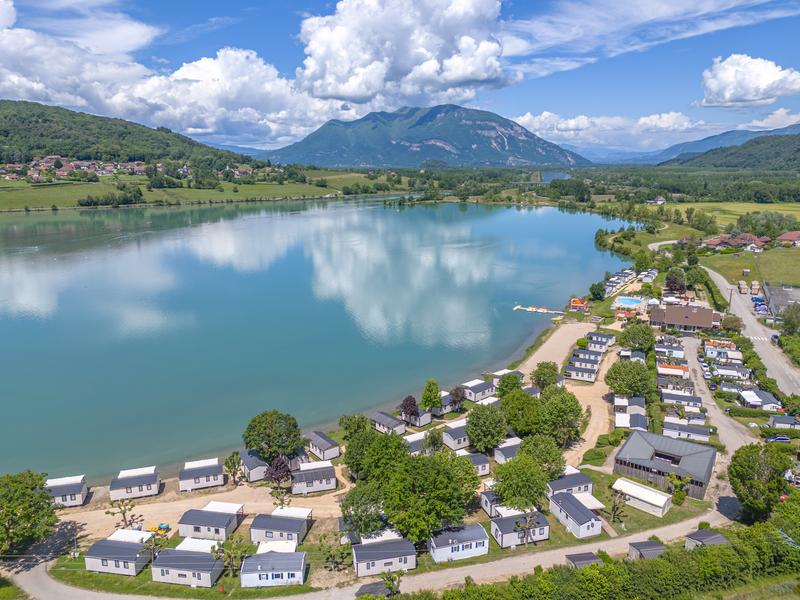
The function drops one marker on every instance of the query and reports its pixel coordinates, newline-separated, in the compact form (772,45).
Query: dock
(539,309)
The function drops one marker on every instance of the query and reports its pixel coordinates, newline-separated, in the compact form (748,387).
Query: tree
(273,434)
(432,442)
(545,374)
(508,383)
(352,424)
(616,511)
(544,450)
(430,396)
(362,508)
(678,485)
(409,407)
(791,319)
(628,378)
(462,472)
(335,555)
(232,552)
(233,467)
(281,497)
(356,450)
(520,483)
(522,412)
(676,279)
(642,261)
(638,336)
(421,497)
(561,415)
(383,455)
(123,508)
(155,544)
(457,398)
(391,580)
(597,291)
(486,427)
(731,322)
(27,514)
(756,475)
(279,471)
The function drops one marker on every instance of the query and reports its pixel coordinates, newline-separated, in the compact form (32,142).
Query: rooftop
(459,535)
(173,558)
(115,550)
(582,559)
(385,419)
(650,450)
(321,441)
(274,561)
(294,512)
(574,508)
(196,464)
(510,524)
(649,549)
(641,492)
(383,550)
(570,481)
(708,537)
(131,536)
(207,518)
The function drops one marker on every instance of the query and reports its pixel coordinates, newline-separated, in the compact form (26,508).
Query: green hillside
(772,152)
(446,135)
(28,129)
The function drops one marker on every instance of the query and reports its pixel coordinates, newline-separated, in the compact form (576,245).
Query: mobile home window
(269,534)
(208,477)
(64,498)
(104,562)
(181,575)
(128,490)
(289,536)
(197,480)
(116,564)
(72,496)
(149,487)
(216,530)
(196,529)
(263,576)
(290,575)
(141,488)
(124,564)
(309,484)
(277,575)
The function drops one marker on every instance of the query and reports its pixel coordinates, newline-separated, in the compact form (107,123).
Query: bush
(791,433)
(704,525)
(615,437)
(602,441)
(594,456)
(741,411)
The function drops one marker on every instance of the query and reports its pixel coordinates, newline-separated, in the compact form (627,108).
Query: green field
(8,591)
(642,239)
(786,587)
(728,212)
(779,265)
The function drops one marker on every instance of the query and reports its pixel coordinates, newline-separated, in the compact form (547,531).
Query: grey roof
(278,523)
(205,471)
(783,419)
(114,550)
(321,441)
(598,335)
(576,358)
(207,518)
(491,496)
(532,390)
(385,419)
(668,346)
(587,352)
(251,459)
(580,370)
(297,458)
(649,549)
(665,380)
(680,398)
(414,446)
(636,401)
(584,558)
(182,560)
(459,535)
(510,524)
(478,459)
(638,354)
(313,474)
(481,387)
(637,421)
(274,561)
(695,460)
(574,509)
(64,490)
(126,482)
(383,550)
(569,481)
(509,451)
(766,396)
(455,432)
(708,537)
(688,428)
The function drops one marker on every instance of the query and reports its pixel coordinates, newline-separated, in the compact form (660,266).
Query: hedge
(741,411)
(790,433)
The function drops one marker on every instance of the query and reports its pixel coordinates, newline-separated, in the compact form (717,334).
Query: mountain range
(446,135)
(764,152)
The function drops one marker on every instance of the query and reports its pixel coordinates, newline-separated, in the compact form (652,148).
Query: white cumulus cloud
(8,15)
(741,80)
(775,120)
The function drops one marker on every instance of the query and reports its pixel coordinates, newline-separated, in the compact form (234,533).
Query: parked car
(707,375)
(775,338)
(727,409)
(712,386)
(782,439)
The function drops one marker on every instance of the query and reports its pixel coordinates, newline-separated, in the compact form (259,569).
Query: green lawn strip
(776,265)
(637,520)
(8,591)
(786,587)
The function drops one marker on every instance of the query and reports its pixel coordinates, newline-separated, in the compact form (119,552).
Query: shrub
(615,437)
(791,433)
(594,456)
(602,441)
(704,525)
(741,411)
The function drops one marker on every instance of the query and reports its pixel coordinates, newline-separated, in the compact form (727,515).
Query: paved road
(657,245)
(778,365)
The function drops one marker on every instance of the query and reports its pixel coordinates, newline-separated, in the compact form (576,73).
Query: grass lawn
(72,572)
(8,591)
(778,265)
(671,232)
(729,212)
(786,587)
(636,520)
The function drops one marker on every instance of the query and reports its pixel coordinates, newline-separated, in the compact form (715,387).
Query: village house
(135,483)
(200,474)
(314,477)
(479,461)
(687,432)
(651,457)
(283,524)
(642,497)
(713,348)
(272,569)
(386,423)
(254,467)
(322,446)
(790,238)
(376,557)
(685,318)
(509,531)
(191,564)
(758,398)
(583,559)
(215,521)
(67,491)
(579,304)
(122,553)
(704,537)
(647,549)
(454,435)
(572,514)
(458,543)
(478,389)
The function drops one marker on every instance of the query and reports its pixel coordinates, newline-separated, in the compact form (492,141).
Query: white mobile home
(272,569)
(580,373)
(255,467)
(215,521)
(498,375)
(67,491)
(671,349)
(123,553)
(454,435)
(600,341)
(135,483)
(421,419)
(572,514)
(382,557)
(507,450)
(190,564)
(759,399)
(489,502)
(314,477)
(458,543)
(478,389)
(570,484)
(687,432)
(648,549)
(584,362)
(286,523)
(446,400)
(783,422)
(386,423)
(200,474)
(322,446)
(479,461)
(644,498)
(414,442)
(509,531)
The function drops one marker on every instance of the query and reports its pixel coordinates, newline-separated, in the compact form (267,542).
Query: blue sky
(591,73)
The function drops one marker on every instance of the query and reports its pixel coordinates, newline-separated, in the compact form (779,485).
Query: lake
(139,336)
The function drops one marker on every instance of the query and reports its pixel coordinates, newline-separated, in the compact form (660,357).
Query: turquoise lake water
(135,337)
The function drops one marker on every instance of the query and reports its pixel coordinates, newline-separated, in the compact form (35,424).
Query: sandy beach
(556,347)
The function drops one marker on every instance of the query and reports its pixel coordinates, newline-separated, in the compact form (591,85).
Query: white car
(706,375)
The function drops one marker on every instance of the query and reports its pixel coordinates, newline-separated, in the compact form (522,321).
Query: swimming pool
(628,301)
